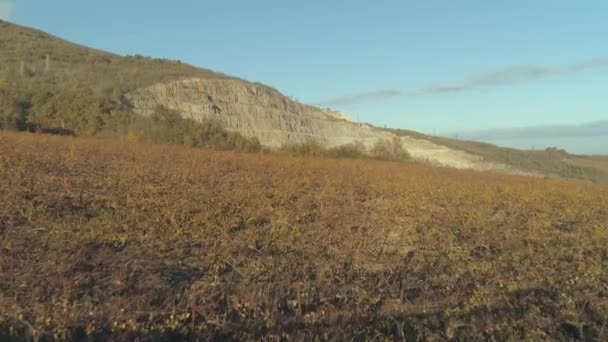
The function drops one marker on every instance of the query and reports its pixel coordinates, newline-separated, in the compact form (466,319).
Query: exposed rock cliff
(253,110)
(259,111)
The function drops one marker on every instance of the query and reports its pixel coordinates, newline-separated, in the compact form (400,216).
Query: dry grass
(113,240)
(597,162)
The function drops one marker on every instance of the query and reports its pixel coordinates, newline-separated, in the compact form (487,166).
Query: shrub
(311,148)
(168,126)
(389,150)
(354,151)
(11,114)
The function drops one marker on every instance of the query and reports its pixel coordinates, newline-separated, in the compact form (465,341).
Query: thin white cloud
(6,9)
(511,75)
(590,129)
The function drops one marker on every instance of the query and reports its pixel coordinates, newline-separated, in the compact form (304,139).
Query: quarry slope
(255,110)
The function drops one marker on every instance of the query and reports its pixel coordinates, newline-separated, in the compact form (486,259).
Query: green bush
(389,150)
(168,126)
(355,151)
(80,111)
(310,148)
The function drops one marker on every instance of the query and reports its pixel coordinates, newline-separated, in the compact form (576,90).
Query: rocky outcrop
(259,111)
(253,110)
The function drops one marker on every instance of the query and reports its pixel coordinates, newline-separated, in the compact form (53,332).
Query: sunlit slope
(116,240)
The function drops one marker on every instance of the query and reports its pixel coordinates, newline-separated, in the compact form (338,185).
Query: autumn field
(109,240)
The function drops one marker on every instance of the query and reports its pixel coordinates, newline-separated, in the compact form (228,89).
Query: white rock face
(259,111)
(253,110)
(338,115)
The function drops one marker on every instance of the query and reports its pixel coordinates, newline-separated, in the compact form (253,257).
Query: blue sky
(497,64)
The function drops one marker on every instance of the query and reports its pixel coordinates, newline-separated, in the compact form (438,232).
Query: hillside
(51,85)
(550,162)
(36,69)
(105,240)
